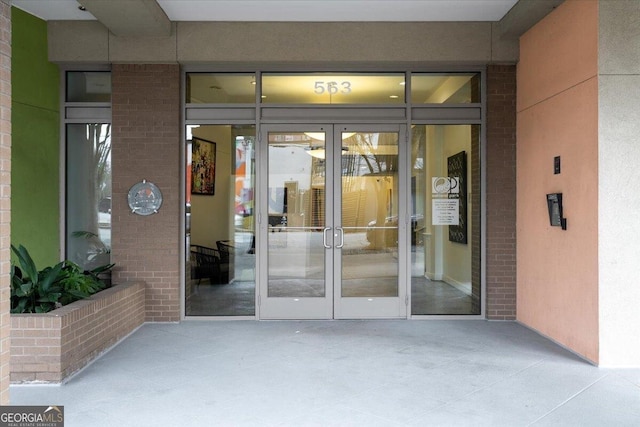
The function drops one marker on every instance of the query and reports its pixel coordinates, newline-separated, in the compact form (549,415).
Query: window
(88,168)
(445,220)
(216,88)
(324,88)
(89,194)
(450,88)
(220,237)
(88,86)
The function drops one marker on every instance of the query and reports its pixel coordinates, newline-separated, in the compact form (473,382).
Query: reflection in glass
(221,262)
(88,197)
(296,207)
(217,88)
(445,261)
(457,88)
(88,86)
(370,214)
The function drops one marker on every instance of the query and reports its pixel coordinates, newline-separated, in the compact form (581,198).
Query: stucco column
(618,177)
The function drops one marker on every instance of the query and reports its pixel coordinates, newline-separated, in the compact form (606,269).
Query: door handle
(341,244)
(324,238)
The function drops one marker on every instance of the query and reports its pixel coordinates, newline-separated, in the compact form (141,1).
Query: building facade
(367,225)
(152,115)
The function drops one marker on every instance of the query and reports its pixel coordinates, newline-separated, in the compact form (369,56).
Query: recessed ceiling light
(393,96)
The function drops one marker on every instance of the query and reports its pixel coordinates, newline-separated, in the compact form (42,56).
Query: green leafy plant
(77,283)
(34,291)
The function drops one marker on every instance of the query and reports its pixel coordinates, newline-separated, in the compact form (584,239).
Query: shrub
(34,291)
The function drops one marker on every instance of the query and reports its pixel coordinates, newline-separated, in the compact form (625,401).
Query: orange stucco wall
(557,115)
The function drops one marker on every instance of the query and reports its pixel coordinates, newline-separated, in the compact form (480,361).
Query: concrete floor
(341,373)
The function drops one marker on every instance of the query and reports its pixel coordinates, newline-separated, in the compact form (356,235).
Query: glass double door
(331,225)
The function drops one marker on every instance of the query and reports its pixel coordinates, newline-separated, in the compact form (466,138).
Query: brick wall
(52,346)
(501,192)
(146,145)
(5,196)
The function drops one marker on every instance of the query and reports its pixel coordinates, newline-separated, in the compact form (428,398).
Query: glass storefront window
(445,256)
(323,88)
(221,234)
(216,88)
(450,88)
(88,203)
(88,86)
(445,220)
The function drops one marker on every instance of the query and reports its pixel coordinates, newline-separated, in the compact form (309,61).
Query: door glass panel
(296,211)
(445,220)
(370,214)
(220,237)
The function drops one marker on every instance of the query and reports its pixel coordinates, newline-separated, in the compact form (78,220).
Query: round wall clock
(144,198)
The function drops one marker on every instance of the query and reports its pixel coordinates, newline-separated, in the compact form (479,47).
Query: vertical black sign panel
(457,168)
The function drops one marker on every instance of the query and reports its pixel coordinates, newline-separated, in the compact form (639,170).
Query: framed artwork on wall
(203,166)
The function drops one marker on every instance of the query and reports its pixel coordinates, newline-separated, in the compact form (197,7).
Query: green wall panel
(34,80)
(35,189)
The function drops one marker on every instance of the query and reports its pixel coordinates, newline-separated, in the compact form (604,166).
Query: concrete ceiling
(154,17)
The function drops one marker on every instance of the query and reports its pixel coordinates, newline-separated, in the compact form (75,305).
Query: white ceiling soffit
(296,10)
(53,10)
(336,10)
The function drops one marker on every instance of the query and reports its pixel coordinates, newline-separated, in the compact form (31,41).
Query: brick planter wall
(52,346)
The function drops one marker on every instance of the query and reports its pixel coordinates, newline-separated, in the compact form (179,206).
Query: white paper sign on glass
(445,211)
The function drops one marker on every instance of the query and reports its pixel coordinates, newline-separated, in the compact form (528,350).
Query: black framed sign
(457,170)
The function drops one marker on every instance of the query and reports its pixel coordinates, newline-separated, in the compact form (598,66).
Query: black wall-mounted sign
(457,168)
(554,204)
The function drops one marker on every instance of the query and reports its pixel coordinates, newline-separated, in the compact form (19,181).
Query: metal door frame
(335,307)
